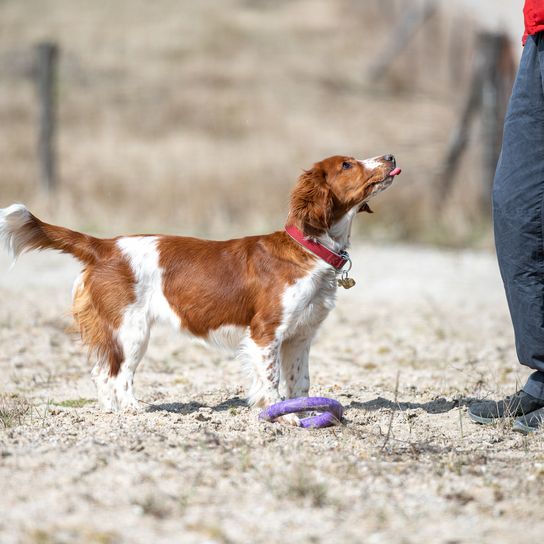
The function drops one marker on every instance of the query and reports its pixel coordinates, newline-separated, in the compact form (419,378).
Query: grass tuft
(73,403)
(304,487)
(13,410)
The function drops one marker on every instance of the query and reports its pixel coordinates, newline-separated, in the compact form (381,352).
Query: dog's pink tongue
(395,172)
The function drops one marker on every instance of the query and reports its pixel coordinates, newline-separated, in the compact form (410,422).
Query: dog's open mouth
(389,178)
(379,186)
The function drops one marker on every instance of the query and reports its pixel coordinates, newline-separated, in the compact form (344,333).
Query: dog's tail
(21,231)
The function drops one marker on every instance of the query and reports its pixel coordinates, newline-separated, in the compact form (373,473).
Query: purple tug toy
(332,411)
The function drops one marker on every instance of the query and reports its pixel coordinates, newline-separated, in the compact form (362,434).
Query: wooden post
(458,36)
(460,133)
(490,87)
(47,54)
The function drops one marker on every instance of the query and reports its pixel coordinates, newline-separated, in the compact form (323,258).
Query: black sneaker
(530,422)
(519,404)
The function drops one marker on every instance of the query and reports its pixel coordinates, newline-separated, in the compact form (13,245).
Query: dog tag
(346,283)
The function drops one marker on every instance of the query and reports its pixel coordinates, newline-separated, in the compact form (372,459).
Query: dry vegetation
(197,117)
(420,335)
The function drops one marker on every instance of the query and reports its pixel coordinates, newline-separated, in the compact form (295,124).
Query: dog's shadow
(436,406)
(191,407)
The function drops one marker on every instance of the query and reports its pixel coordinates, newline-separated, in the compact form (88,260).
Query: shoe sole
(520,427)
(483,420)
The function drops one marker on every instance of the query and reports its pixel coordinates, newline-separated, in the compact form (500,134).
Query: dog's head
(333,187)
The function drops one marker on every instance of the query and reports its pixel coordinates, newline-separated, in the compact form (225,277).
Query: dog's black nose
(390,158)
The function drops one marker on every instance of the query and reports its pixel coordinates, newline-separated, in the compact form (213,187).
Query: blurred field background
(197,117)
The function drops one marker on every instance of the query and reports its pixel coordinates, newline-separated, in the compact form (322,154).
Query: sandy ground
(421,334)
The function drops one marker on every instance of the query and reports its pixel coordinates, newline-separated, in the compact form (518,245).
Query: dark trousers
(518,211)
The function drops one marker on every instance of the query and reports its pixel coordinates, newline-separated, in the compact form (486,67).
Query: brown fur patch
(234,282)
(87,249)
(105,291)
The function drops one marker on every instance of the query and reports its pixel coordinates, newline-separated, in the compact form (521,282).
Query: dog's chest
(308,301)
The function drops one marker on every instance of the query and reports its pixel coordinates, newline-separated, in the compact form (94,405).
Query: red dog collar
(337,260)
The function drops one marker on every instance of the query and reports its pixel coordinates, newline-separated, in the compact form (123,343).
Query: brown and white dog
(264,296)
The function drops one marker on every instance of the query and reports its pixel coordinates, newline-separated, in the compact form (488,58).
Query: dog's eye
(346,165)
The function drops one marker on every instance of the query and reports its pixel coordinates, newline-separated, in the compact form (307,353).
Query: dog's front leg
(264,363)
(295,376)
(264,368)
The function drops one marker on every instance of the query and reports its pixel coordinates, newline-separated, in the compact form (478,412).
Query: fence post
(46,68)
(491,84)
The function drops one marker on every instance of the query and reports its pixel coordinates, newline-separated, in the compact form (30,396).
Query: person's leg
(518,195)
(535,385)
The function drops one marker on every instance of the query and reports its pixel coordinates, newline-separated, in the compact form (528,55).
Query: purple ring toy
(332,411)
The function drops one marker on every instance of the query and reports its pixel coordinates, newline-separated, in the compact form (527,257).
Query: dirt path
(198,467)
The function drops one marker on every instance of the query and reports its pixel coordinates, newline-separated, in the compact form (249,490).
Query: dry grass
(421,335)
(197,117)
(73,403)
(16,409)
(13,410)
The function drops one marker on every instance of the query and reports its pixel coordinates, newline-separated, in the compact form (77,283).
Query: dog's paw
(289,419)
(132,406)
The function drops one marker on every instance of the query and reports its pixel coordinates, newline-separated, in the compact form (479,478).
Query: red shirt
(533,13)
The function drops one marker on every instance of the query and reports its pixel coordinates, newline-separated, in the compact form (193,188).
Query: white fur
(227,337)
(382,186)
(12,219)
(143,256)
(337,238)
(372,163)
(141,251)
(281,368)
(308,301)
(306,304)
(262,365)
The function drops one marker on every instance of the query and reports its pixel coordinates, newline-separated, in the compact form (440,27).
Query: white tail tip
(13,236)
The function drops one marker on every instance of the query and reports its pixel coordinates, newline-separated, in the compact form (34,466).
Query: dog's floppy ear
(311,202)
(365,208)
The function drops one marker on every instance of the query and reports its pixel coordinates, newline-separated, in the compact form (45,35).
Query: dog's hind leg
(105,386)
(114,382)
(115,327)
(133,338)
